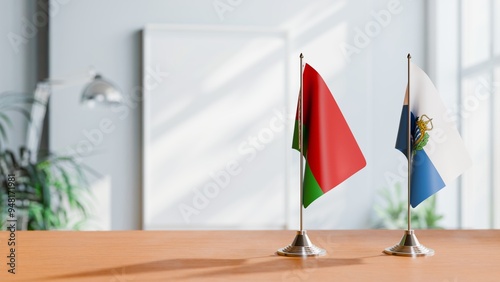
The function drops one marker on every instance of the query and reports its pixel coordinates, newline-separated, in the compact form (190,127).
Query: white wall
(465,73)
(18,58)
(368,86)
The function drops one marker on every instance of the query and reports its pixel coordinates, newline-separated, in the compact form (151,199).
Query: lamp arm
(99,88)
(76,79)
(39,109)
(35,125)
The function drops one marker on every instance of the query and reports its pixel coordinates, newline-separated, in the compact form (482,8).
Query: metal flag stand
(409,245)
(301,245)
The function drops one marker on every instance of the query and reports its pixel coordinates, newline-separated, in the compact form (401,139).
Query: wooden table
(355,255)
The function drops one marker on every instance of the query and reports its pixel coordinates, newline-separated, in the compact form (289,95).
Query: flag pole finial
(409,56)
(301,56)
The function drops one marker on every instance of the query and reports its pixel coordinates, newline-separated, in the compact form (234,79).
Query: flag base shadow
(409,247)
(301,247)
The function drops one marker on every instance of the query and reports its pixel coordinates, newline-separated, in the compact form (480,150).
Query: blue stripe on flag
(402,138)
(425,180)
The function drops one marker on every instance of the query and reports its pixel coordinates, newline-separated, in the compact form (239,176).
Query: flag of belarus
(330,149)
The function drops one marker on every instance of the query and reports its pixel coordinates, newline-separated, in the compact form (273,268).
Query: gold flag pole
(301,245)
(409,245)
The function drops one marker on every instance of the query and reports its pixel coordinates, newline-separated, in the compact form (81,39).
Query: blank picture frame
(216,128)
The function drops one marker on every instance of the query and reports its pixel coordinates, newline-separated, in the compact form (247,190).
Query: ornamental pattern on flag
(330,149)
(438,153)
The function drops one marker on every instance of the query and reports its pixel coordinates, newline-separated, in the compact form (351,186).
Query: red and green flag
(330,149)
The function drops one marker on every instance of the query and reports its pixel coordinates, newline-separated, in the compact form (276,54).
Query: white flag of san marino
(438,152)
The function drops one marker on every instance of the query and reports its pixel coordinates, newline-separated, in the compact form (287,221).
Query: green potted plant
(393,212)
(50,192)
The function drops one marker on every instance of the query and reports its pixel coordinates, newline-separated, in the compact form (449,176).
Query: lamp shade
(101,90)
